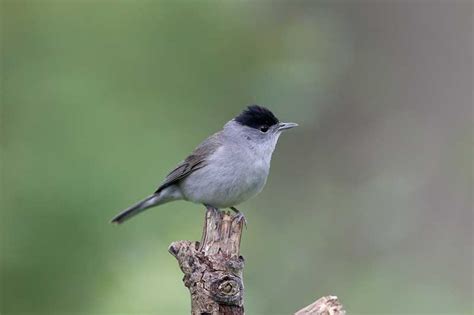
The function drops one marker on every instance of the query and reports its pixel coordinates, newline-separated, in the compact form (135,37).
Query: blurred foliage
(370,198)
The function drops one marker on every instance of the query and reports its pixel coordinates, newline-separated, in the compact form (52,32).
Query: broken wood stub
(327,305)
(213,267)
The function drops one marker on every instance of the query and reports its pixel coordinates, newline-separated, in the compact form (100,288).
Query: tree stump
(213,267)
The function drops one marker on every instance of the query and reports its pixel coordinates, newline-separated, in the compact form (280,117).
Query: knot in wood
(227,290)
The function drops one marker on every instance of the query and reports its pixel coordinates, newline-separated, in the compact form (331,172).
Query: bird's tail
(137,208)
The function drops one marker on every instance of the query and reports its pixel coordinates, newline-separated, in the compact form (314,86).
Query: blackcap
(226,169)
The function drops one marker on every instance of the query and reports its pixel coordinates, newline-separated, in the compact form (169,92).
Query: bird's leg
(239,216)
(211,208)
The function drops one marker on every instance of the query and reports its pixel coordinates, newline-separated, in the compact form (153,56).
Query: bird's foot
(211,208)
(239,216)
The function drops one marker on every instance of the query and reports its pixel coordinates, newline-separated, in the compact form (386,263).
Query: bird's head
(260,126)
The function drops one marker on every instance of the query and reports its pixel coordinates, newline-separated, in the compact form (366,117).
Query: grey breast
(231,175)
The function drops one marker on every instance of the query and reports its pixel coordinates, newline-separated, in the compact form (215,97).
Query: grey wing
(193,162)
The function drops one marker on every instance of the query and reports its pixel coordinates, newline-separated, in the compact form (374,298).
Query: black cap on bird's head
(256,116)
(261,118)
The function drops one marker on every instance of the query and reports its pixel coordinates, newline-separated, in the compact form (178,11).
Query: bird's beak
(283,126)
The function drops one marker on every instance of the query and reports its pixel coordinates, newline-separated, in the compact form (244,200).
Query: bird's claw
(239,217)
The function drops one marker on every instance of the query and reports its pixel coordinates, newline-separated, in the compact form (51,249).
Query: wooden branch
(213,270)
(327,305)
(213,267)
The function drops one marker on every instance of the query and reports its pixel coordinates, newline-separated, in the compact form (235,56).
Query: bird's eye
(264,128)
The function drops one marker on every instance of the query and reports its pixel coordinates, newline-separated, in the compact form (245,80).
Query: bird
(226,169)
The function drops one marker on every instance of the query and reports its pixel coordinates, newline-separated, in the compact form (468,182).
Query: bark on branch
(213,267)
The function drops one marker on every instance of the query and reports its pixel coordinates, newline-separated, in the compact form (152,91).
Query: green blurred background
(369,199)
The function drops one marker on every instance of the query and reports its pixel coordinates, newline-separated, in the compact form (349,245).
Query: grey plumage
(226,169)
